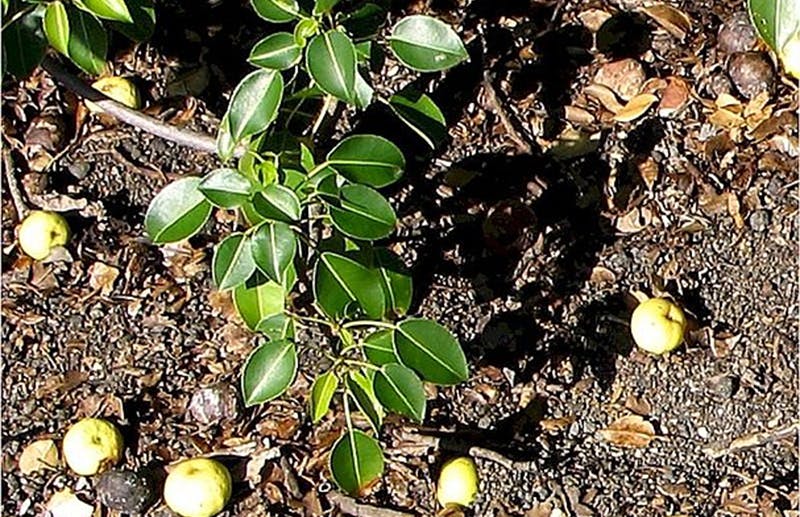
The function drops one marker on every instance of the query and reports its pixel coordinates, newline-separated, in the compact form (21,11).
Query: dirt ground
(529,234)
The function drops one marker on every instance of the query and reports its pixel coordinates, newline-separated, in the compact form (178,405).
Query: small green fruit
(42,231)
(658,325)
(198,487)
(458,483)
(91,446)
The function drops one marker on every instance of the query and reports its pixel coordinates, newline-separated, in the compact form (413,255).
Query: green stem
(369,323)
(312,319)
(361,364)
(322,166)
(347,416)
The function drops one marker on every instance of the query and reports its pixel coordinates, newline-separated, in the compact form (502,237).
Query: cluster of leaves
(75,28)
(319,221)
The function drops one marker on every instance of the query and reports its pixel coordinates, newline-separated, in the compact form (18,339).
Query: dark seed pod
(737,34)
(125,491)
(214,404)
(751,73)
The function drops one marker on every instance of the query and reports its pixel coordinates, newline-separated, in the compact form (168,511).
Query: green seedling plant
(307,247)
(77,29)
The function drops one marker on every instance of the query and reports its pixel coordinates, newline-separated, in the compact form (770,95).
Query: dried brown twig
(132,117)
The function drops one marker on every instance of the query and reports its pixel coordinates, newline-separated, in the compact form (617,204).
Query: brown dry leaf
(636,107)
(674,97)
(556,424)
(39,455)
(604,95)
(726,119)
(638,405)
(578,115)
(602,275)
(629,431)
(728,102)
(624,77)
(102,277)
(544,509)
(593,19)
(66,504)
(635,221)
(648,170)
(673,20)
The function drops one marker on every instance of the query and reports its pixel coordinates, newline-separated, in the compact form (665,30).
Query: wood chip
(39,455)
(629,431)
(673,20)
(102,277)
(66,504)
(636,107)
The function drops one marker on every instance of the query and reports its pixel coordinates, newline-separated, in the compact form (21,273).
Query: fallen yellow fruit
(458,483)
(118,88)
(42,231)
(790,55)
(658,325)
(91,446)
(198,487)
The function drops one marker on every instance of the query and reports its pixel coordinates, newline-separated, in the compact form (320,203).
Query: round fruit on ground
(91,446)
(40,232)
(658,325)
(458,483)
(198,487)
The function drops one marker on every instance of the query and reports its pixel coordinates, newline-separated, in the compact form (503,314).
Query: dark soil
(530,255)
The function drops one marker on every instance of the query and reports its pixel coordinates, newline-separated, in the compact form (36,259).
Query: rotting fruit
(92,445)
(458,483)
(118,88)
(658,325)
(41,231)
(198,487)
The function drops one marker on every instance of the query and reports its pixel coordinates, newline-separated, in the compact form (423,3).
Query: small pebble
(723,386)
(759,220)
(214,404)
(751,73)
(125,491)
(79,169)
(737,34)
(703,433)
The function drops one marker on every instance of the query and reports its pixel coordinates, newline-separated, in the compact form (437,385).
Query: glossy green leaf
(379,348)
(366,21)
(361,391)
(24,44)
(339,281)
(368,159)
(331,61)
(254,104)
(356,461)
(277,326)
(324,6)
(399,390)
(431,350)
(177,212)
(363,213)
(143,14)
(277,51)
(276,11)
(255,303)
(115,10)
(269,371)
(304,29)
(56,26)
(421,114)
(233,263)
(426,44)
(396,282)
(322,392)
(364,92)
(277,203)
(776,20)
(274,246)
(226,145)
(226,188)
(88,43)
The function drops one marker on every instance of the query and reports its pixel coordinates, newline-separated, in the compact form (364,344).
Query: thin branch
(13,187)
(757,439)
(180,136)
(350,506)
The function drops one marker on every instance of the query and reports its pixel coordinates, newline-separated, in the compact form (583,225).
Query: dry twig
(751,440)
(13,187)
